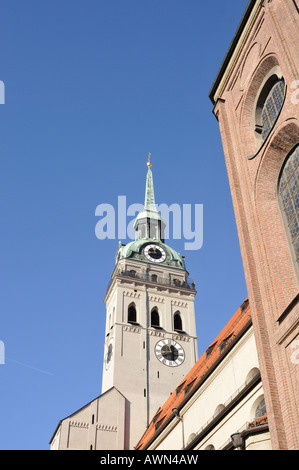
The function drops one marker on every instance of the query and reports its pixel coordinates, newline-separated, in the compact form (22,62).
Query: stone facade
(100,424)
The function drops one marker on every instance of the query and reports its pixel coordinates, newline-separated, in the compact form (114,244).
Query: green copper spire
(149,223)
(149,228)
(149,201)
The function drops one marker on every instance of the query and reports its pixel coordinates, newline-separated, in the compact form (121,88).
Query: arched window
(155,319)
(288,193)
(254,372)
(272,107)
(142,231)
(261,409)
(269,105)
(132,272)
(191,437)
(177,322)
(219,409)
(132,316)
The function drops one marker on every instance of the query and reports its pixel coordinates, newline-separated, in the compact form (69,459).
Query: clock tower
(150,340)
(150,337)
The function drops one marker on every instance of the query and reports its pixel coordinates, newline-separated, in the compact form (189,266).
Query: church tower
(150,339)
(150,334)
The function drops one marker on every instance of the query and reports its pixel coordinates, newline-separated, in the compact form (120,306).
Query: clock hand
(165,353)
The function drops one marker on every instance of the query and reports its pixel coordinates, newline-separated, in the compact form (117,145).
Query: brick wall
(253,170)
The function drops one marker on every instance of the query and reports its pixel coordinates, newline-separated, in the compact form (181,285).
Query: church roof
(228,336)
(84,406)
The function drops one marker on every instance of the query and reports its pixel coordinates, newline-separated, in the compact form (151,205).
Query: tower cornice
(186,287)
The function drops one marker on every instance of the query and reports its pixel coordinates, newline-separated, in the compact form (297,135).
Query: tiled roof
(203,367)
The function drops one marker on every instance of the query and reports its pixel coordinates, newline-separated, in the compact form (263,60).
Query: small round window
(272,107)
(269,105)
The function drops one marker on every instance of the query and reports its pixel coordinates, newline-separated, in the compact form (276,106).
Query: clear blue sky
(92,86)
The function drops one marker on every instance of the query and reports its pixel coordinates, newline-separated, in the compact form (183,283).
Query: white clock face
(155,253)
(109,353)
(169,352)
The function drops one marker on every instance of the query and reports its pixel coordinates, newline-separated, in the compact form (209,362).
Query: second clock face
(169,352)
(155,253)
(109,354)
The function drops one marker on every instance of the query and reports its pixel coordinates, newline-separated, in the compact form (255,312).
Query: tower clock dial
(155,253)
(169,352)
(109,353)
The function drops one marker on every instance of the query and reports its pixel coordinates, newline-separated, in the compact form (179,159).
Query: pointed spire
(149,201)
(149,223)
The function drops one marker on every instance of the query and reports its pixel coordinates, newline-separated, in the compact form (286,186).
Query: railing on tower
(153,279)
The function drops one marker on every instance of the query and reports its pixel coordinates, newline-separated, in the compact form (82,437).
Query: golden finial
(149,162)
